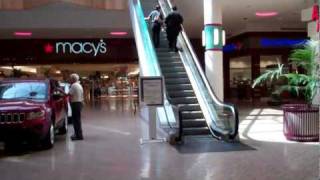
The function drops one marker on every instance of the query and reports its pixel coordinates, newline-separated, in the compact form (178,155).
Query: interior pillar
(214,39)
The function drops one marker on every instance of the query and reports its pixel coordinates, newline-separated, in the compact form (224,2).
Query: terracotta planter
(301,122)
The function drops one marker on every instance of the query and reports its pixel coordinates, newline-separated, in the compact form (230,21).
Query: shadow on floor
(23,148)
(17,150)
(206,145)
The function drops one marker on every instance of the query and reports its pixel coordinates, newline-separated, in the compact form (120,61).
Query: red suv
(32,110)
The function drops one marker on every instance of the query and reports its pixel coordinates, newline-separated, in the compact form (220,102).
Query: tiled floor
(111,151)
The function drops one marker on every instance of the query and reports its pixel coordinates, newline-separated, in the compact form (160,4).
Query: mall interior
(151,113)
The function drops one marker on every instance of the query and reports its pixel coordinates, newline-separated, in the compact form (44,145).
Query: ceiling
(66,20)
(239,15)
(97,18)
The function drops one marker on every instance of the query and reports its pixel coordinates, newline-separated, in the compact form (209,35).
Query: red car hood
(18,106)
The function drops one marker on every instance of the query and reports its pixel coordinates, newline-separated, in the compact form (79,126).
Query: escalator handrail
(152,53)
(211,92)
(149,46)
(206,82)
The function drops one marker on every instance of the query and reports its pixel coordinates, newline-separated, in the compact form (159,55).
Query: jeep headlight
(35,115)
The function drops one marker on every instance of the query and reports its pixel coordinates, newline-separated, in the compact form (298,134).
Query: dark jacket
(173,21)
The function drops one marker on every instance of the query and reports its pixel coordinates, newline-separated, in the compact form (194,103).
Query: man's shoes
(76,138)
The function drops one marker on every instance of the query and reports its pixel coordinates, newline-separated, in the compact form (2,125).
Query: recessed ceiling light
(23,33)
(118,33)
(266,13)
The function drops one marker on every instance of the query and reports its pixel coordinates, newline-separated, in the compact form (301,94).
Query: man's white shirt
(76,92)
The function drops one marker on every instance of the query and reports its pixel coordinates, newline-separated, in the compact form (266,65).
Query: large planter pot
(301,122)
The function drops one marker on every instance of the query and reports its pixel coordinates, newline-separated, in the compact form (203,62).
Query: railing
(148,61)
(221,118)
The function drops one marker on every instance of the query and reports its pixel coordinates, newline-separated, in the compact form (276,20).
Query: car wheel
(10,146)
(64,128)
(48,141)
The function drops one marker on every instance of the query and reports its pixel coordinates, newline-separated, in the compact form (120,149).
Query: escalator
(191,107)
(180,90)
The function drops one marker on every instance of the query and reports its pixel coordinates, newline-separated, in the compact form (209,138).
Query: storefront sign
(281,42)
(228,48)
(88,48)
(152,90)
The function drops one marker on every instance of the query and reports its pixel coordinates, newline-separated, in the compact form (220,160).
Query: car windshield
(23,90)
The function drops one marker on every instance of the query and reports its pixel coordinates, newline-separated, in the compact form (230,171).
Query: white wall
(306,16)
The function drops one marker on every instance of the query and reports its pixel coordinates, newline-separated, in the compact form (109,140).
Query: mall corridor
(232,92)
(111,150)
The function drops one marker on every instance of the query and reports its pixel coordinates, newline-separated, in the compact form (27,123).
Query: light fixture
(216,38)
(266,13)
(23,34)
(223,37)
(21,68)
(203,38)
(118,33)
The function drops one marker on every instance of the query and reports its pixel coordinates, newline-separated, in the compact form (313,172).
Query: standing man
(173,22)
(156,21)
(76,95)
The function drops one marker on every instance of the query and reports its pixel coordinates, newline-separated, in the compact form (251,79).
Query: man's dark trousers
(156,28)
(172,35)
(76,118)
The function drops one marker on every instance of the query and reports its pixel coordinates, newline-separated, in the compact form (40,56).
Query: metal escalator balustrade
(181,92)
(200,112)
(148,62)
(222,119)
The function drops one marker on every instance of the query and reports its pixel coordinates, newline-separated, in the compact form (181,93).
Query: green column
(209,30)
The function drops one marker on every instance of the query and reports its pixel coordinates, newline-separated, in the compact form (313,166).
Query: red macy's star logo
(48,48)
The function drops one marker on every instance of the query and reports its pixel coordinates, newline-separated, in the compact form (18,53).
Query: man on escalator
(156,22)
(173,23)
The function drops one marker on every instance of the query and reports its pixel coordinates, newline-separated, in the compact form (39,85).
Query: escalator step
(175,75)
(196,131)
(171,63)
(172,94)
(173,69)
(194,123)
(168,60)
(190,107)
(164,50)
(179,87)
(177,81)
(184,100)
(192,115)
(168,55)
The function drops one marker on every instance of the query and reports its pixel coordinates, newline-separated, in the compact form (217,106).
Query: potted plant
(301,121)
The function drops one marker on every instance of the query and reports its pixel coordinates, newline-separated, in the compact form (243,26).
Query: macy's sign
(77,48)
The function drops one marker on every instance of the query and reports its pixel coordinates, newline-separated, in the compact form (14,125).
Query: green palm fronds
(269,75)
(296,82)
(305,57)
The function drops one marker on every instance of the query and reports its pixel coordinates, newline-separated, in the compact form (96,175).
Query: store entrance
(109,86)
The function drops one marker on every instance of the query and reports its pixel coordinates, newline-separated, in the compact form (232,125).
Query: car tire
(48,141)
(64,128)
(10,146)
